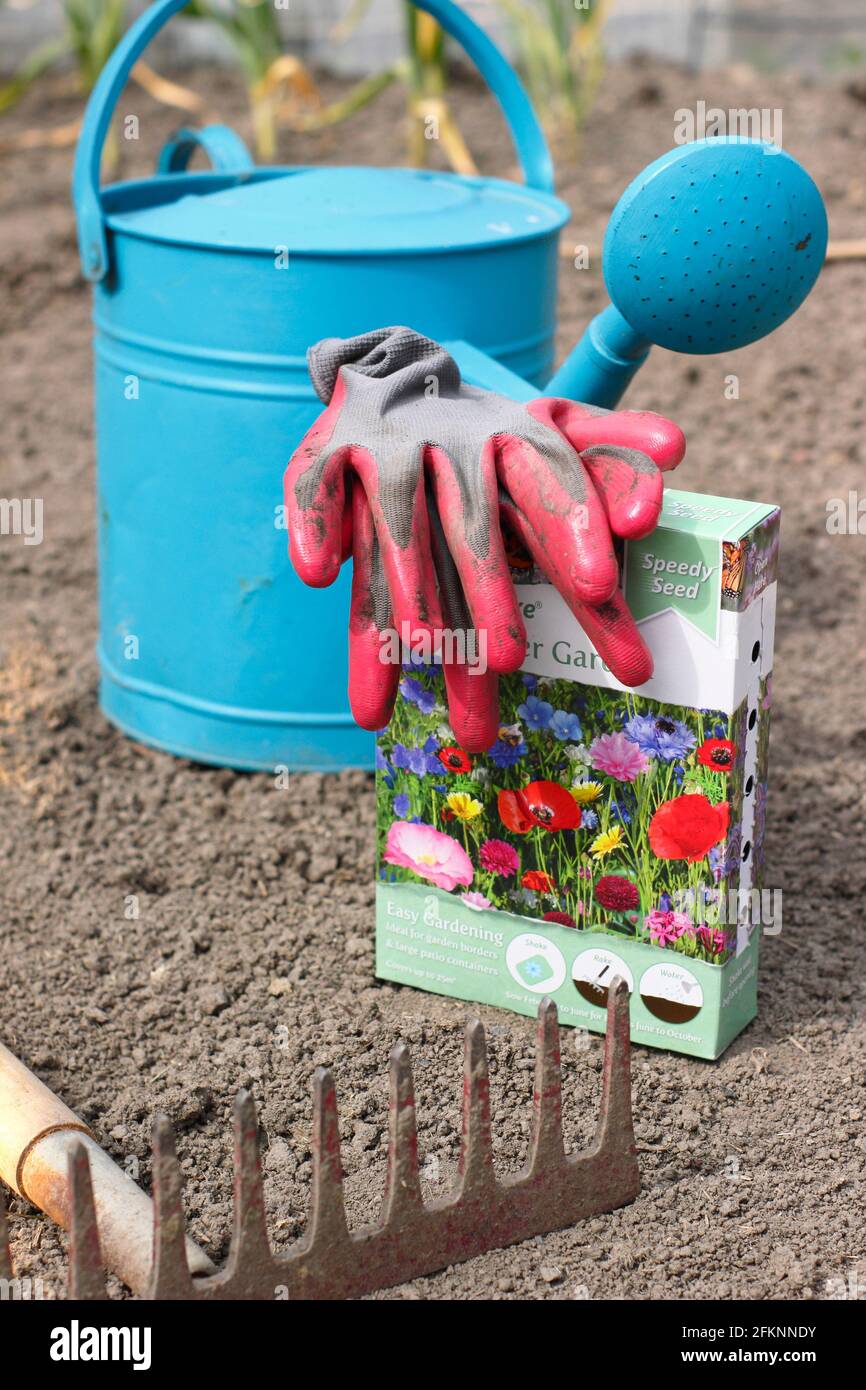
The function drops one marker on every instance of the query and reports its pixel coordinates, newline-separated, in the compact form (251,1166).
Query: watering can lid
(349,210)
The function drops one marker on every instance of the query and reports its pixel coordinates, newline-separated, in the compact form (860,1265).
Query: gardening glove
(408,468)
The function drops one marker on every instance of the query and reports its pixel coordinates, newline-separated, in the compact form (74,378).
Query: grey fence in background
(818,38)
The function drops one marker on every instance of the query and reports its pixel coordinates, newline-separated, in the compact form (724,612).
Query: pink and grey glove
(408,469)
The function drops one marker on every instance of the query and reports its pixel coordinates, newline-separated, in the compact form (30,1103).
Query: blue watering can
(208,289)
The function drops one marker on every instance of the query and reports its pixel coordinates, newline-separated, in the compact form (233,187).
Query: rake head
(412,1238)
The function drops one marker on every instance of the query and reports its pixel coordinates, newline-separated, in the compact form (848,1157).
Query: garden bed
(251,959)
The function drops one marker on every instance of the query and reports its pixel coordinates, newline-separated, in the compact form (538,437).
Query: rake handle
(28,1113)
(37,1134)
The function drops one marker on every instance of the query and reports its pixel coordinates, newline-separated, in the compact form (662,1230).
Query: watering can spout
(599,369)
(596,371)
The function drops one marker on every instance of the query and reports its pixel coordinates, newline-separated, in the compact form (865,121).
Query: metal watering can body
(209,288)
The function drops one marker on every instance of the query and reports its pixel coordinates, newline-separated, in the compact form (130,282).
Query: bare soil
(251,961)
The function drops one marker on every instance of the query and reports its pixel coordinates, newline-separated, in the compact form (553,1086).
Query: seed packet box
(608,831)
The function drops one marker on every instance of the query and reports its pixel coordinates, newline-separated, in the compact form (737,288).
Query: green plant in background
(429,112)
(252,28)
(557,40)
(91,31)
(560,51)
(280,88)
(422,70)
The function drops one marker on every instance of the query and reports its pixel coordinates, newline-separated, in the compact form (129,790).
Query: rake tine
(476,1147)
(327,1225)
(547,1149)
(615,1123)
(5,1253)
(86,1272)
(249,1245)
(402,1183)
(481,1213)
(170,1276)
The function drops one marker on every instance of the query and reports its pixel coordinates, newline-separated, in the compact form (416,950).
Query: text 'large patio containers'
(208,290)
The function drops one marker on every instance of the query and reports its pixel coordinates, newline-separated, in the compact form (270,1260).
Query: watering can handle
(526,132)
(225,150)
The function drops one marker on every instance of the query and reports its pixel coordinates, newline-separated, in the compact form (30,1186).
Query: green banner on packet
(676,570)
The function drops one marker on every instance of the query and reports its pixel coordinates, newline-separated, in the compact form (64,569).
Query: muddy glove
(410,468)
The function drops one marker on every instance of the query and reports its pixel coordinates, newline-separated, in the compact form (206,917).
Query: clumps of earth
(250,962)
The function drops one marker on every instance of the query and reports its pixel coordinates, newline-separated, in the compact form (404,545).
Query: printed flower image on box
(606,831)
(593,809)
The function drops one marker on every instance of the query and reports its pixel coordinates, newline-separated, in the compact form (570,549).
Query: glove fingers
(623,451)
(630,487)
(325,358)
(474,542)
(567,516)
(315,499)
(614,633)
(471,688)
(399,511)
(372,681)
(609,625)
(473,706)
(347,533)
(588,426)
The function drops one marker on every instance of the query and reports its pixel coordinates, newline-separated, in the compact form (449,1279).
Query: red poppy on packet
(537,881)
(454,760)
(544,804)
(717,753)
(687,827)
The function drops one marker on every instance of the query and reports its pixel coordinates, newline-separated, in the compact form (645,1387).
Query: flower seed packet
(608,831)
